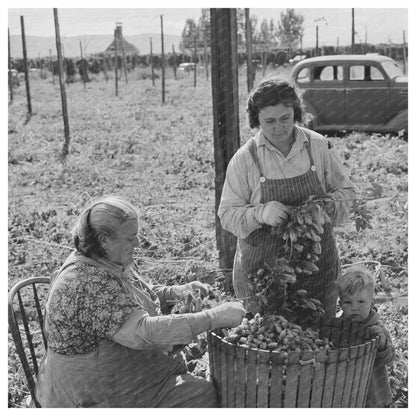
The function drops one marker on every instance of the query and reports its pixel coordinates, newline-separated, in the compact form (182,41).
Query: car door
(326,94)
(367,95)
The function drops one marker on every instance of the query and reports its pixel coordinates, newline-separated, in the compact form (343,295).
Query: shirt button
(313,168)
(262,179)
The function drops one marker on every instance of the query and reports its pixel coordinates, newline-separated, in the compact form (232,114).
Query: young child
(356,292)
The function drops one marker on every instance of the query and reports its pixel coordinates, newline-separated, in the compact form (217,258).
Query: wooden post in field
(249,52)
(52,67)
(116,60)
(352,32)
(206,56)
(29,101)
(123,57)
(224,81)
(65,148)
(163,59)
(195,60)
(10,68)
(82,65)
(174,61)
(151,63)
(404,52)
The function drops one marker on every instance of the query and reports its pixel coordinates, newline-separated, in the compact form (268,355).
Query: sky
(380,25)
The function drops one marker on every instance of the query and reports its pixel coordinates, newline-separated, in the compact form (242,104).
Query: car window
(303,75)
(392,69)
(365,73)
(328,73)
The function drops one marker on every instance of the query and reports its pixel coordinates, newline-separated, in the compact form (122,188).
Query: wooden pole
(29,101)
(224,80)
(352,32)
(249,51)
(52,67)
(116,60)
(163,60)
(10,68)
(206,56)
(65,148)
(404,52)
(195,61)
(123,57)
(174,61)
(82,65)
(317,40)
(151,63)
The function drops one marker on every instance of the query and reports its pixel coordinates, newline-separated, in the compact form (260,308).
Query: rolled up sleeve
(235,211)
(141,331)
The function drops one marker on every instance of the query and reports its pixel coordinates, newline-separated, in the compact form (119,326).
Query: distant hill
(37,46)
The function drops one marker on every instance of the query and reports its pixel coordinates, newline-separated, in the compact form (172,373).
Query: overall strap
(253,151)
(308,147)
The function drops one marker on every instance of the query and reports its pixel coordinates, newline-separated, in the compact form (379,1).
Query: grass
(160,157)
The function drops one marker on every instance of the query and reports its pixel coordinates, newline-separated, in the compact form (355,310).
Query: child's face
(357,307)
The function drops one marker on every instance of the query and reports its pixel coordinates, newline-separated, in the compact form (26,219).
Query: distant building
(122,45)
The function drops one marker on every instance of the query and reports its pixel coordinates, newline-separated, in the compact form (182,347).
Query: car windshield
(392,69)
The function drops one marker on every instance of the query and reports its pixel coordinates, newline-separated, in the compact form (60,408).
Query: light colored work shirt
(241,192)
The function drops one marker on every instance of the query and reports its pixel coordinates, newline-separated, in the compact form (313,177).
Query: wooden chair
(26,304)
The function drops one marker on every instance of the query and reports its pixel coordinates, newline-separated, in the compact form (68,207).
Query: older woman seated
(108,344)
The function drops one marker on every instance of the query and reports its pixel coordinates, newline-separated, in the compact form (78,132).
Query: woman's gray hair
(102,217)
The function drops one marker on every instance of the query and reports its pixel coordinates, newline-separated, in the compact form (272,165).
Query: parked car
(186,66)
(354,92)
(296,59)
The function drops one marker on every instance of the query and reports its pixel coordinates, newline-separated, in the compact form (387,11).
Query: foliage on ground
(160,157)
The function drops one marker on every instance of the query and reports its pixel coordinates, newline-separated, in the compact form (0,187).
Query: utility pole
(82,65)
(317,40)
(195,60)
(65,148)
(116,60)
(249,51)
(353,33)
(10,68)
(174,61)
(404,52)
(163,60)
(29,101)
(224,81)
(151,62)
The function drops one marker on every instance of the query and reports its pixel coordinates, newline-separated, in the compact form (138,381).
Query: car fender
(398,122)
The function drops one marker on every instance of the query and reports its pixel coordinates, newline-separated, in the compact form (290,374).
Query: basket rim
(372,343)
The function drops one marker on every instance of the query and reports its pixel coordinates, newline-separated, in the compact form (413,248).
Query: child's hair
(355,279)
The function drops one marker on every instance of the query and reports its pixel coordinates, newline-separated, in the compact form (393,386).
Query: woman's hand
(226,315)
(271,213)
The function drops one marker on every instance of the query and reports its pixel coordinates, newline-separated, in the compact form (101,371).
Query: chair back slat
(27,332)
(40,314)
(20,321)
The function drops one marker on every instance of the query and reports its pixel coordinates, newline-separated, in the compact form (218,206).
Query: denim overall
(261,246)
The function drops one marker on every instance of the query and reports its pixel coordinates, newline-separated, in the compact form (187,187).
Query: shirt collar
(300,141)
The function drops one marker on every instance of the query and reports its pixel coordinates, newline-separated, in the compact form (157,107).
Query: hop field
(160,157)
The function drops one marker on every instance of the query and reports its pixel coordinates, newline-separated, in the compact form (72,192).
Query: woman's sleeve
(235,211)
(338,185)
(142,331)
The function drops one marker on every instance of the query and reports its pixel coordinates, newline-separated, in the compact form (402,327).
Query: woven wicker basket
(247,377)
